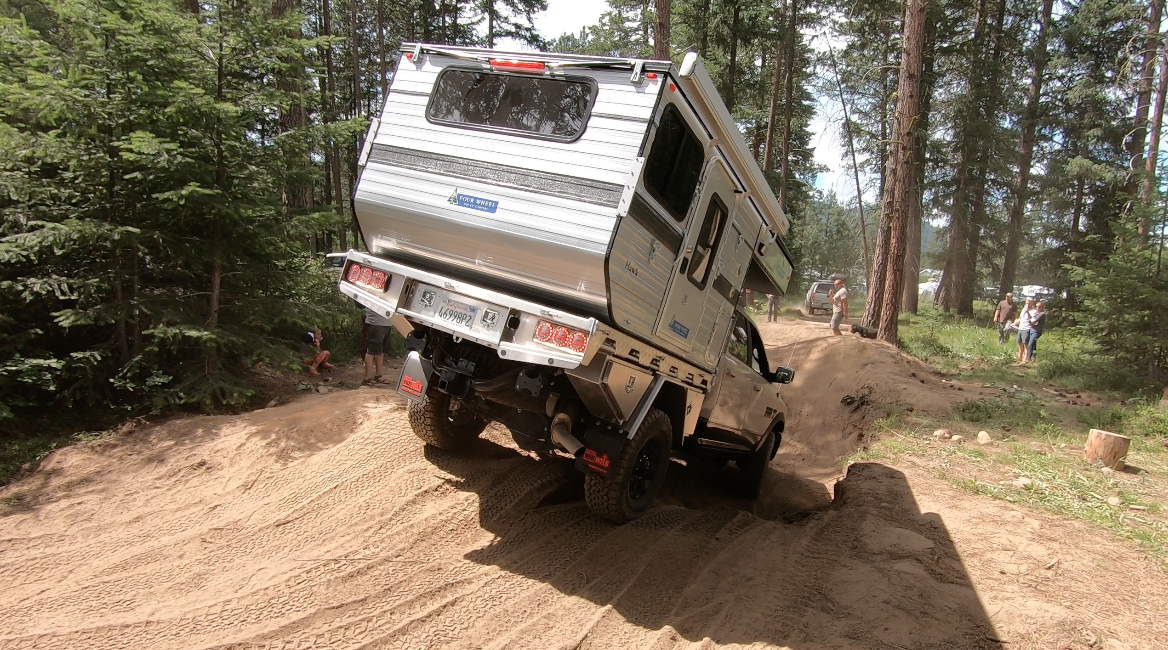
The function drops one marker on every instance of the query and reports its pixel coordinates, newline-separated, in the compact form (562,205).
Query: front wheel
(636,476)
(443,422)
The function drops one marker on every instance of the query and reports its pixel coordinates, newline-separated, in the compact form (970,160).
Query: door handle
(758,389)
(730,373)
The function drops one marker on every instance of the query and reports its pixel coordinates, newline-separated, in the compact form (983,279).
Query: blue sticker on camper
(473,202)
(679,329)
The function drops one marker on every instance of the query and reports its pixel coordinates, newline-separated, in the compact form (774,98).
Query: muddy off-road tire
(748,483)
(436,424)
(636,476)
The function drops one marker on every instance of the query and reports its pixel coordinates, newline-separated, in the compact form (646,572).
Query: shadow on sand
(865,569)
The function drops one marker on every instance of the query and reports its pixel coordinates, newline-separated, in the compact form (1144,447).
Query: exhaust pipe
(562,435)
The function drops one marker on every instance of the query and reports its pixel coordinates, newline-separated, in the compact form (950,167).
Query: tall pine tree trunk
(732,64)
(768,153)
(662,9)
(333,159)
(1148,191)
(788,97)
(1025,156)
(900,194)
(909,294)
(1135,145)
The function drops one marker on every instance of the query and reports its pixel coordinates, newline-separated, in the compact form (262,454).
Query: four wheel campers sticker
(472,202)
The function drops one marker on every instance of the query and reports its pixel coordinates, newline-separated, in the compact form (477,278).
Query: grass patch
(1040,465)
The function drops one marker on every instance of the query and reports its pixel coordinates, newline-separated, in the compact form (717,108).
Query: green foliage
(146,254)
(1124,309)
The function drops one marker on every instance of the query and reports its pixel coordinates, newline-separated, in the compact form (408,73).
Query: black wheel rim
(645,470)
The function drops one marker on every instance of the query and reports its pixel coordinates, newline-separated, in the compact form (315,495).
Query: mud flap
(415,377)
(602,446)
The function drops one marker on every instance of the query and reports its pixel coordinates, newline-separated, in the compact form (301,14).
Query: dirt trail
(324,523)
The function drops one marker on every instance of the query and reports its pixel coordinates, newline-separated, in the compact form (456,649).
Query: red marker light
(565,338)
(409,56)
(673,87)
(651,75)
(522,67)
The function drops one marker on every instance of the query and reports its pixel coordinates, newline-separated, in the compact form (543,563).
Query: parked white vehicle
(564,241)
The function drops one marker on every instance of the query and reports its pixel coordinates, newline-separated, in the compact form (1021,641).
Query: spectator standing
(839,306)
(376,343)
(772,308)
(1037,323)
(1003,316)
(1023,324)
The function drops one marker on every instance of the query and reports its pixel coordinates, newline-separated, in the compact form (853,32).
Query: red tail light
(522,67)
(562,337)
(364,276)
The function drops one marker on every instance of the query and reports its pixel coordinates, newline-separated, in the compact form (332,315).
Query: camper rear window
(554,109)
(674,164)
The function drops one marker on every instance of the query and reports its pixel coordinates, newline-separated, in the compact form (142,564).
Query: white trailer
(564,241)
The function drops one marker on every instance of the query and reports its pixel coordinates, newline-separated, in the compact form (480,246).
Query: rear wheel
(444,422)
(636,476)
(752,468)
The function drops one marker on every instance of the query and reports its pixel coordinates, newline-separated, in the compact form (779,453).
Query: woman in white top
(1023,324)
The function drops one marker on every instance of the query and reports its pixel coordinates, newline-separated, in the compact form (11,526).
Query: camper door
(698,265)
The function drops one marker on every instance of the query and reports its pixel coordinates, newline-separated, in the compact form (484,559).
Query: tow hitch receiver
(415,377)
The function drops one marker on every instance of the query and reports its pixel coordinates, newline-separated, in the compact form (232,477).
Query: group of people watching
(375,342)
(1029,321)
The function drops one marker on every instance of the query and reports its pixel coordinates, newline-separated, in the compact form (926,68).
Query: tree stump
(1107,448)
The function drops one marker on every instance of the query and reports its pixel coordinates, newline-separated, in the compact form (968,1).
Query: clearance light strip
(522,67)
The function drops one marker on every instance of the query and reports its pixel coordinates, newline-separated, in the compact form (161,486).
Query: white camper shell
(591,219)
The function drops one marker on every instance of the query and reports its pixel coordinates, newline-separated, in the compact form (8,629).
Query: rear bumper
(498,321)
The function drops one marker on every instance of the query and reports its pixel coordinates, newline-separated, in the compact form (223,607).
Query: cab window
(739,346)
(758,359)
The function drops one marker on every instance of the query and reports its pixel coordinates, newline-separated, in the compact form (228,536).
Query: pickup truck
(565,241)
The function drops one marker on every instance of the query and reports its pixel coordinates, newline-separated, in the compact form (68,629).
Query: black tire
(433,420)
(752,468)
(636,476)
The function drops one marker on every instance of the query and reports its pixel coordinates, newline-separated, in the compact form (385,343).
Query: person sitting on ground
(376,343)
(839,306)
(1037,323)
(1023,325)
(314,356)
(1003,316)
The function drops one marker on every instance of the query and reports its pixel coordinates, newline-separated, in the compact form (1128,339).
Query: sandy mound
(325,523)
(820,428)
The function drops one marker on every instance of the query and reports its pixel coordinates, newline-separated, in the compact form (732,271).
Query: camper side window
(674,164)
(706,245)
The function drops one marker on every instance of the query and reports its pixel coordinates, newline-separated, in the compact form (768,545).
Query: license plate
(483,320)
(457,313)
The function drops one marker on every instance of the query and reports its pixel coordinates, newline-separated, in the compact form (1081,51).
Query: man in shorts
(377,342)
(839,306)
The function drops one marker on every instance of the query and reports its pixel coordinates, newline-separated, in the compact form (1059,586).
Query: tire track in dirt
(325,523)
